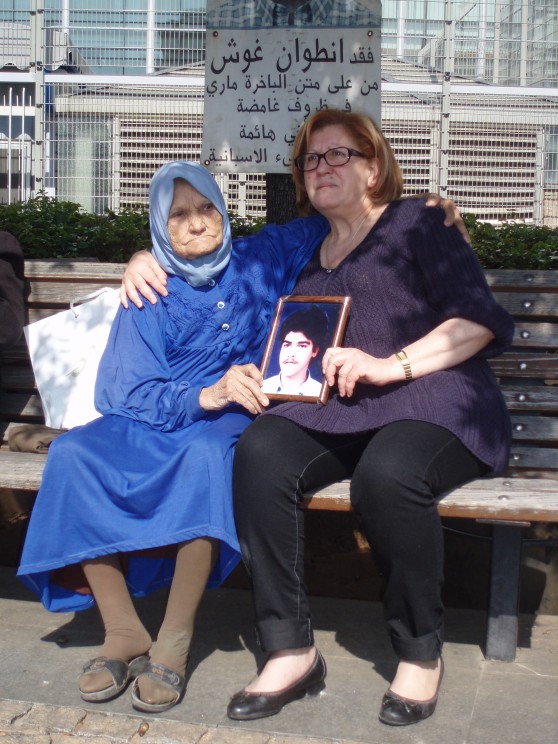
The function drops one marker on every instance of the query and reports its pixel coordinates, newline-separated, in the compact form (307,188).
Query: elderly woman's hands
(240,384)
(142,273)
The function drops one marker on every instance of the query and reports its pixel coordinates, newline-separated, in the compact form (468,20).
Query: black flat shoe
(246,706)
(397,710)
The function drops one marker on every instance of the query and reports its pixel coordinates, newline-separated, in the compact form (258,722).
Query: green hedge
(513,245)
(48,228)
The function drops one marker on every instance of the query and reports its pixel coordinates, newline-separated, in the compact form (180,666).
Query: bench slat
(535,428)
(527,279)
(17,374)
(496,278)
(530,398)
(537,304)
(59,295)
(537,458)
(517,364)
(21,470)
(536,335)
(67,269)
(18,378)
(514,499)
(21,405)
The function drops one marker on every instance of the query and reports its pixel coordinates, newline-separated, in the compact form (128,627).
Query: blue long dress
(156,469)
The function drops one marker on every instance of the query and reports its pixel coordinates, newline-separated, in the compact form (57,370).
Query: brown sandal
(121,672)
(164,676)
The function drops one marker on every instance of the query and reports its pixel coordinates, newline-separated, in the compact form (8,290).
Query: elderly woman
(176,390)
(414,410)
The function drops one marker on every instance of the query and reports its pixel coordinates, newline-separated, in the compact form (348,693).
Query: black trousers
(396,474)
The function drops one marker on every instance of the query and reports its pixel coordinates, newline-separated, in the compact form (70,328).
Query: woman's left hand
(450,343)
(346,367)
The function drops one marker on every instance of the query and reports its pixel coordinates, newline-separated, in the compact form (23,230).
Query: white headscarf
(198,271)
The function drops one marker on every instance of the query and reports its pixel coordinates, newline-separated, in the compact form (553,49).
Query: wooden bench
(528,374)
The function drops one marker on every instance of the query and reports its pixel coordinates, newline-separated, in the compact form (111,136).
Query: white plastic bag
(65,351)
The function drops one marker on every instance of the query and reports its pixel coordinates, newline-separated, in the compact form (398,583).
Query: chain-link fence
(94,95)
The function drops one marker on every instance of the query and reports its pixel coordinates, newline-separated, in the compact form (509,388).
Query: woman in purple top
(413,411)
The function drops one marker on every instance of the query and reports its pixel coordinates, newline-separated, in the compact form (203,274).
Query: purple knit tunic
(410,274)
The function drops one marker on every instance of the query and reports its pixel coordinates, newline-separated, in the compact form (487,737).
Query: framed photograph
(303,328)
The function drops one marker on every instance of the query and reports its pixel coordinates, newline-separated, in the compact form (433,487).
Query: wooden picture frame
(304,326)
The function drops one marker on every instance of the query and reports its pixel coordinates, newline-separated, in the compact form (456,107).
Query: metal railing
(96,99)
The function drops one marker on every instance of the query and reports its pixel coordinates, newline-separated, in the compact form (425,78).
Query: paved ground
(481,702)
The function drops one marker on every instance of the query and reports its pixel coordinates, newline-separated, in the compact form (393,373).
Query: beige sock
(125,635)
(194,562)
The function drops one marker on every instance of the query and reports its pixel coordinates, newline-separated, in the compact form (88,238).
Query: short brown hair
(368,139)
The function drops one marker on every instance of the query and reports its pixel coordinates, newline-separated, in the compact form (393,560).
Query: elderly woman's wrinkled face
(195,225)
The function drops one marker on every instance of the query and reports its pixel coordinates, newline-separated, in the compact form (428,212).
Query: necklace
(328,267)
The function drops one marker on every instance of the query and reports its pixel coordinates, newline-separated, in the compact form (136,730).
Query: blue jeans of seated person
(396,472)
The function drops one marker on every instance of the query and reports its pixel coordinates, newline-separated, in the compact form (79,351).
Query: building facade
(95,94)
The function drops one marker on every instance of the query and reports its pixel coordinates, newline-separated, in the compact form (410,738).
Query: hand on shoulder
(142,274)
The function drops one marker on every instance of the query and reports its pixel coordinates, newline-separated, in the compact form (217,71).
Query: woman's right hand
(240,384)
(142,273)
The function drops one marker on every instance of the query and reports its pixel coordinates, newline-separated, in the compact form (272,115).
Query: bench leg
(501,636)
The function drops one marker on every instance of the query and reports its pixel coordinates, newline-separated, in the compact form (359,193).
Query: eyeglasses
(335,157)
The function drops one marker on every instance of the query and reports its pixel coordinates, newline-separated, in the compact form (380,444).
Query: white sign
(262,83)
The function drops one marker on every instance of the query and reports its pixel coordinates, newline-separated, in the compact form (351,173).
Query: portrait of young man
(302,340)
